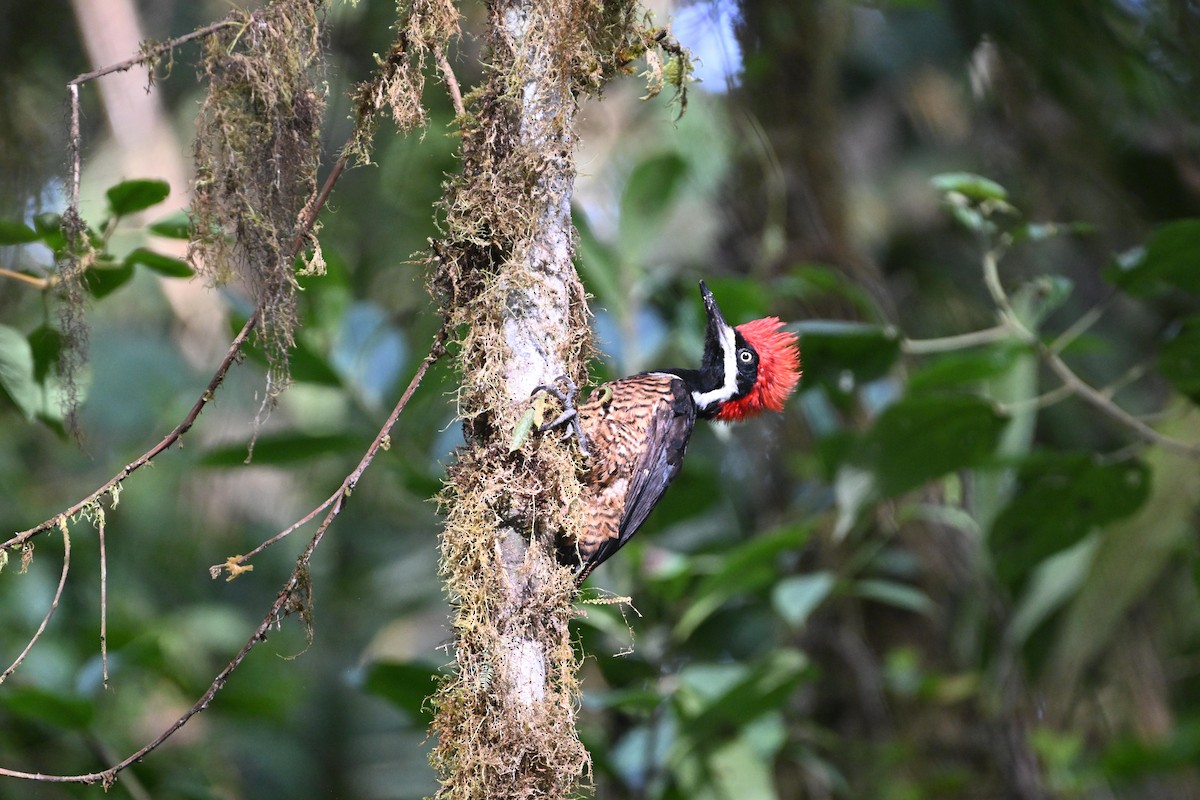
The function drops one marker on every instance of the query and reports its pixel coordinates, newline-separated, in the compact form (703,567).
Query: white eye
(746,356)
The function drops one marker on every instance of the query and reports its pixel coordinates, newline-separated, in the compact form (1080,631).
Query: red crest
(778,369)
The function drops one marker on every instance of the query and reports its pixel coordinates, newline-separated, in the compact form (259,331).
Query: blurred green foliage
(936,575)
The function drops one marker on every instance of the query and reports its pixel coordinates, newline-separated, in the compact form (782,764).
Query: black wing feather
(662,457)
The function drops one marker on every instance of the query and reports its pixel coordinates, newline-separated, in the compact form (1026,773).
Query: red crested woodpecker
(635,430)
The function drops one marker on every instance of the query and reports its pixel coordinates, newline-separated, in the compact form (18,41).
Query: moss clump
(257,153)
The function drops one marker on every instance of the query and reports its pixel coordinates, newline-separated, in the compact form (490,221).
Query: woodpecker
(635,430)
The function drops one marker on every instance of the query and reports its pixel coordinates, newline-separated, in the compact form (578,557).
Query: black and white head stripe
(719,382)
(728,388)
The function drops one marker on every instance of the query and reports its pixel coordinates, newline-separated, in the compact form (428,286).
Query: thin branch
(32,280)
(231,356)
(1079,327)
(1103,404)
(145,458)
(62,582)
(1086,392)
(235,563)
(1055,395)
(152,53)
(284,602)
(962,341)
(451,80)
(103,600)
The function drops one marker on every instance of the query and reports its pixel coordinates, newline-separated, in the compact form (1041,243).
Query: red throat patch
(778,369)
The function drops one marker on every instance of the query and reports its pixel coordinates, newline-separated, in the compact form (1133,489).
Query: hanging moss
(257,153)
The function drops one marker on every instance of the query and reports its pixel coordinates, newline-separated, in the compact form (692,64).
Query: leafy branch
(975,201)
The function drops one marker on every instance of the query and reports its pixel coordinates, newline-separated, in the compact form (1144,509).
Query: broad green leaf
(162,264)
(16,371)
(130,196)
(1171,259)
(738,771)
(283,448)
(306,365)
(405,685)
(48,708)
(648,195)
(1179,359)
(49,228)
(600,266)
(1051,584)
(843,355)
(45,344)
(713,697)
(1060,498)
(973,187)
(921,438)
(797,597)
(103,280)
(16,232)
(962,369)
(1129,562)
(894,594)
(747,568)
(173,226)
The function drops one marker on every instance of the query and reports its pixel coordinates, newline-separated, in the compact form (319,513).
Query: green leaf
(48,708)
(745,569)
(162,264)
(649,192)
(306,366)
(1169,260)
(973,187)
(921,438)
(45,344)
(963,369)
(131,196)
(283,448)
(405,685)
(104,280)
(894,594)
(16,372)
(49,228)
(16,232)
(842,355)
(715,696)
(797,597)
(1179,359)
(1083,495)
(521,431)
(174,226)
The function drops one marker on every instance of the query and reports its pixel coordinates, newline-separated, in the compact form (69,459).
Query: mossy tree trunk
(505,274)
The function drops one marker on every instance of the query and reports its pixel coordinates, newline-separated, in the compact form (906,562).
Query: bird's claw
(570,414)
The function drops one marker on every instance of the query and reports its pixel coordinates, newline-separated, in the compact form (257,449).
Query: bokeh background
(927,579)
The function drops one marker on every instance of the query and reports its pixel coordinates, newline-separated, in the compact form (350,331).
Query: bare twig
(231,565)
(962,341)
(281,608)
(1085,391)
(103,599)
(62,581)
(451,80)
(1106,406)
(152,53)
(145,458)
(32,280)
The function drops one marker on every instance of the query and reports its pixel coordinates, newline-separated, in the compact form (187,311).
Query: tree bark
(505,719)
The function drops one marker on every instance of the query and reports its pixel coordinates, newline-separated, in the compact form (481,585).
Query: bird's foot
(569,416)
